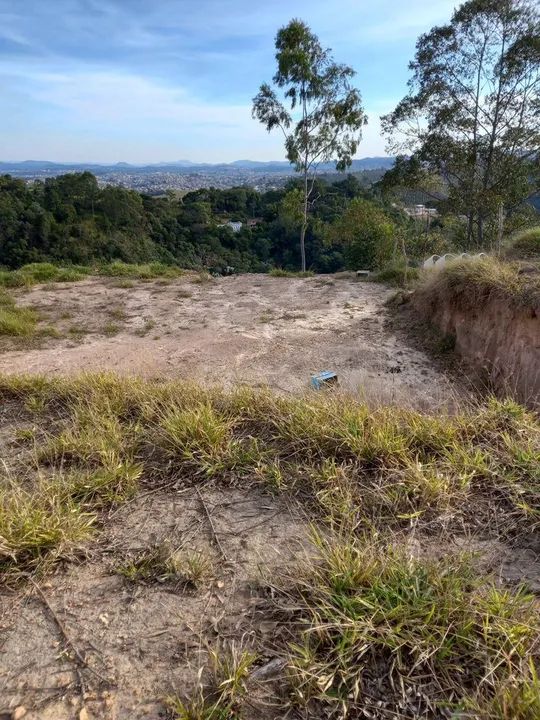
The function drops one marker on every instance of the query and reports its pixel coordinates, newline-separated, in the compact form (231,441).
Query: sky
(146,81)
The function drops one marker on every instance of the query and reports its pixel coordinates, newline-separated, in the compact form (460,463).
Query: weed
(124,284)
(14,320)
(435,634)
(162,564)
(117,313)
(145,329)
(110,329)
(38,525)
(222,698)
(279,272)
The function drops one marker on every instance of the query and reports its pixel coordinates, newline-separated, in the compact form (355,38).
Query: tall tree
(325,114)
(472,113)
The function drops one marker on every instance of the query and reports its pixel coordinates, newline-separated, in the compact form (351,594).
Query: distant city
(183,175)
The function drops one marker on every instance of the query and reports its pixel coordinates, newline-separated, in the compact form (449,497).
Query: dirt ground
(84,643)
(250,329)
(142,643)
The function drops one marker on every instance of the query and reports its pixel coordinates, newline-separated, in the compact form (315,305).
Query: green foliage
(73,225)
(471,116)
(367,234)
(325,118)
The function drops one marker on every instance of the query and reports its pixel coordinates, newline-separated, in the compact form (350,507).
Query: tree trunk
(304,224)
(480,240)
(303,246)
(470,229)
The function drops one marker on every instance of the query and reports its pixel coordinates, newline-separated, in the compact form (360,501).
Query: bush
(524,245)
(398,275)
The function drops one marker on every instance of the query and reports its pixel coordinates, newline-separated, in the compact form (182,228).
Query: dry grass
(472,283)
(220,694)
(371,630)
(162,563)
(353,466)
(378,633)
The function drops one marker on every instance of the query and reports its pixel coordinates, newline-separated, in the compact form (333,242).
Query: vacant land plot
(191,552)
(252,329)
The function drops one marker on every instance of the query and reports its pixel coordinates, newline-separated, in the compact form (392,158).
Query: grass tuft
(222,696)
(14,320)
(163,564)
(279,272)
(380,630)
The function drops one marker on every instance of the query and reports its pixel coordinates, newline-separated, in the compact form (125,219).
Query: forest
(71,220)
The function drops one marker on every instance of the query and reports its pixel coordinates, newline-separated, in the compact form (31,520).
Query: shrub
(398,275)
(524,245)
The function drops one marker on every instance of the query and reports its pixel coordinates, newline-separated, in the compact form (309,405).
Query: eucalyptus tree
(472,112)
(314,105)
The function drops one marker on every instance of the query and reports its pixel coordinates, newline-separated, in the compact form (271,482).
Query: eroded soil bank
(499,340)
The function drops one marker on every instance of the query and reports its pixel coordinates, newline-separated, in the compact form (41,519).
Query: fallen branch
(81,660)
(212,527)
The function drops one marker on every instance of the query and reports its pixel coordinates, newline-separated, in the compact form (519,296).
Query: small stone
(18,713)
(83,714)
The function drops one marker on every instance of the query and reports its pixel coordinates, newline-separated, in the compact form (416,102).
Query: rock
(83,715)
(269,670)
(18,713)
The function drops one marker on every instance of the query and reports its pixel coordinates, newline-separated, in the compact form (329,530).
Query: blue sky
(157,80)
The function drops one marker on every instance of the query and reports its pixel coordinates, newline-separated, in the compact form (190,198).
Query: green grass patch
(221,692)
(279,272)
(16,321)
(37,273)
(377,628)
(147,271)
(397,275)
(353,465)
(47,273)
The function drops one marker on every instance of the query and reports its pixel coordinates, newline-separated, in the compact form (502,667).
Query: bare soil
(143,642)
(90,644)
(250,329)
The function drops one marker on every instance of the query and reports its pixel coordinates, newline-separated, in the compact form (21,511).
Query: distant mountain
(49,168)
